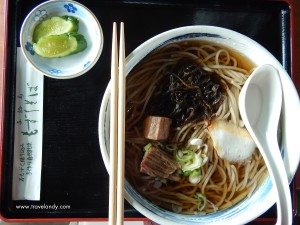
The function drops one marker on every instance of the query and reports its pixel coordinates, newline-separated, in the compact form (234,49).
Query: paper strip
(28,138)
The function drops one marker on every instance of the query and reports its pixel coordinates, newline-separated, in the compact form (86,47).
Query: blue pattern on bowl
(29,48)
(70,8)
(54,71)
(87,64)
(40,15)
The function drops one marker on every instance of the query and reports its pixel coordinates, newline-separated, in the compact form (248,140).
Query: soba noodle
(222,183)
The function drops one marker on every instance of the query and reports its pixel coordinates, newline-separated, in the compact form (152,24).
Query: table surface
(296,54)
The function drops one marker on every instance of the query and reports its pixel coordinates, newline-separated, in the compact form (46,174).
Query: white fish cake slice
(232,143)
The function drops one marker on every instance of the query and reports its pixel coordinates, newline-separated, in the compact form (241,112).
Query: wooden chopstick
(121,129)
(113,128)
(117,129)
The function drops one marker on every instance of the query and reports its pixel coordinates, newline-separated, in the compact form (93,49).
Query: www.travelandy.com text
(43,207)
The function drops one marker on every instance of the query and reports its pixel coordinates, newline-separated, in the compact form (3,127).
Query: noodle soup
(194,84)
(161,75)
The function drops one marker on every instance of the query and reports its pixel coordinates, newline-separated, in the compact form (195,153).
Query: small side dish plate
(73,65)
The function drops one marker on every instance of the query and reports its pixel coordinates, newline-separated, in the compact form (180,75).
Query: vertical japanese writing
(22,163)
(27,107)
(29,158)
(28,131)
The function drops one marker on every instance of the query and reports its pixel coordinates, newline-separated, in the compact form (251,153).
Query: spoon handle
(278,176)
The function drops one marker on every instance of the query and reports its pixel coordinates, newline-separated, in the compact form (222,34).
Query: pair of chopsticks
(117,129)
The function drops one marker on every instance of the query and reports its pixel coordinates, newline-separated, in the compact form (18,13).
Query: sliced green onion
(183,156)
(147,147)
(202,201)
(204,159)
(187,173)
(195,163)
(161,145)
(205,148)
(171,148)
(179,171)
(195,177)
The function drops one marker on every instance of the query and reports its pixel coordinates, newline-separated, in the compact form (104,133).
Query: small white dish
(73,65)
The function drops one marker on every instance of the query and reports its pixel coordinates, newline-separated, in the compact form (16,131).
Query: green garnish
(147,147)
(55,25)
(202,201)
(56,46)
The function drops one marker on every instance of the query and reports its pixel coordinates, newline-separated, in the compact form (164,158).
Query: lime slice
(56,46)
(54,26)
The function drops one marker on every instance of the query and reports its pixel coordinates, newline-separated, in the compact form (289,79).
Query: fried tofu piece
(232,143)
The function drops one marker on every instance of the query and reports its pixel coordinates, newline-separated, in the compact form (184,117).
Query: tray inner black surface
(73,173)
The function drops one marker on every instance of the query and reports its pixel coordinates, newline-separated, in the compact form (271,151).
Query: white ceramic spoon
(260,107)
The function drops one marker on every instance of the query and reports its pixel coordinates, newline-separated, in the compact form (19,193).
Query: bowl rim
(159,40)
(71,75)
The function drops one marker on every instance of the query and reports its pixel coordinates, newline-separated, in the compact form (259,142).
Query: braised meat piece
(157,163)
(157,128)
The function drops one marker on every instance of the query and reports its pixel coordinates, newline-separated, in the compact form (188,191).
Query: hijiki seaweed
(188,93)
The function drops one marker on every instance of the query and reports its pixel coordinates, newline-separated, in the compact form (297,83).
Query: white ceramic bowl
(69,66)
(264,197)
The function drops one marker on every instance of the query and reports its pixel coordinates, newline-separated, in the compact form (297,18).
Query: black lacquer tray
(73,173)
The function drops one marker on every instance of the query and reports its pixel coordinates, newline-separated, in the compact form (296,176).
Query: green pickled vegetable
(55,25)
(56,46)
